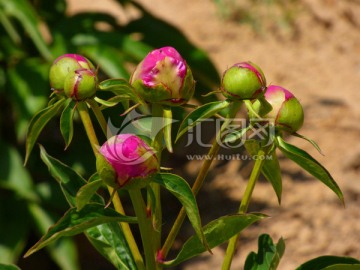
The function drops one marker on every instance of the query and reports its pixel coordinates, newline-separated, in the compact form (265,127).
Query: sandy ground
(318,58)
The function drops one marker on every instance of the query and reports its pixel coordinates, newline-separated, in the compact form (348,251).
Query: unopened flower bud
(164,77)
(243,80)
(287,112)
(64,65)
(131,158)
(80,84)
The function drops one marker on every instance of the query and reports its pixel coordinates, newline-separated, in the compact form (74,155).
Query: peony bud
(80,84)
(130,157)
(243,80)
(64,65)
(164,77)
(286,112)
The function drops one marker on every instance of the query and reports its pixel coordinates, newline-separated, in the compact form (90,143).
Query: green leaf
(182,191)
(13,175)
(268,256)
(66,121)
(128,48)
(38,122)
(309,140)
(64,251)
(74,222)
(69,180)
(107,238)
(28,89)
(343,267)
(8,267)
(271,167)
(331,262)
(309,164)
(26,15)
(86,192)
(9,28)
(234,136)
(216,232)
(14,227)
(200,114)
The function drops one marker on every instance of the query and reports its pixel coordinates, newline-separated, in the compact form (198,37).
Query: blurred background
(311,47)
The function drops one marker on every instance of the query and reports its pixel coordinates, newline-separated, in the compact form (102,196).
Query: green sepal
(74,222)
(138,183)
(37,124)
(66,121)
(308,163)
(268,256)
(200,114)
(119,87)
(106,171)
(111,102)
(264,106)
(216,233)
(291,115)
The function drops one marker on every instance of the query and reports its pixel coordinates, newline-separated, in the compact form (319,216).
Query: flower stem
(99,116)
(234,108)
(230,251)
(85,117)
(145,227)
(157,139)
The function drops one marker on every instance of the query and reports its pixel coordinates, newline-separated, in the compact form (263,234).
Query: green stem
(200,178)
(85,117)
(157,138)
(230,251)
(145,227)
(99,116)
(89,128)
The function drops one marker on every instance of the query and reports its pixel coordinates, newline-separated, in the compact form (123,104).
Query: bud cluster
(73,75)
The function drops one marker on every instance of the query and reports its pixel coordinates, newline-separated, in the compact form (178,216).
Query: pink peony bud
(64,65)
(243,80)
(81,84)
(163,77)
(130,157)
(286,112)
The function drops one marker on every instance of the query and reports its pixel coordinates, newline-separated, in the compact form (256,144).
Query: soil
(311,47)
